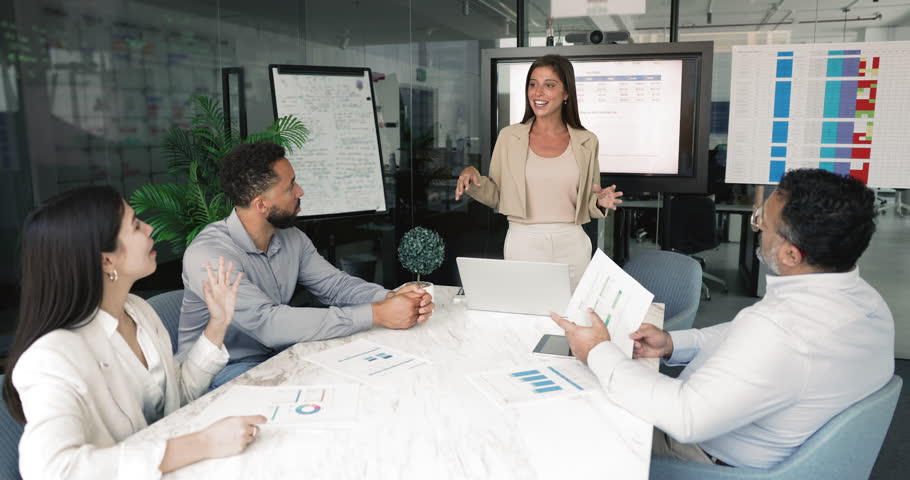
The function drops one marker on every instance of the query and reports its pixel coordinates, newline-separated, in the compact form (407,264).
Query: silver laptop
(510,286)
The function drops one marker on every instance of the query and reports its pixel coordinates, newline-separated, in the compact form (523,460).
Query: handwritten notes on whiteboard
(340,166)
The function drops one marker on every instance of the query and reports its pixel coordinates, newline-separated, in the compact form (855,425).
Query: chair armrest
(671,468)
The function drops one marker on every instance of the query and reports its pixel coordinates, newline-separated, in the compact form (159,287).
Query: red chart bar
(861,175)
(857,139)
(861,153)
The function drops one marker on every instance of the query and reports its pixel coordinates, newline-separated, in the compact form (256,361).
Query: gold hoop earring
(113,276)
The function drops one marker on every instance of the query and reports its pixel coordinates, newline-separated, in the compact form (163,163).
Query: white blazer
(80,410)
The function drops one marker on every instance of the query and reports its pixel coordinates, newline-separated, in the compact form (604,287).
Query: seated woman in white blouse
(91,364)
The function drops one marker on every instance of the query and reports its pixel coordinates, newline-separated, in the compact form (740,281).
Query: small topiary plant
(421,251)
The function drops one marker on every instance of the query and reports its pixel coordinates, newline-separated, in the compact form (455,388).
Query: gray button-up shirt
(263,322)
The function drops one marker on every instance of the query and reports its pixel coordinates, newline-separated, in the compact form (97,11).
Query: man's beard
(770,260)
(282,219)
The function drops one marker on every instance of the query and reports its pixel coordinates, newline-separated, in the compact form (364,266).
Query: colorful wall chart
(838,107)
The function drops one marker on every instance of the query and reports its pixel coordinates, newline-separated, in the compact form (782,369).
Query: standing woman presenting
(544,174)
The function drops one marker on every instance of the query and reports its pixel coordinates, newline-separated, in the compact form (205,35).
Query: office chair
(167,306)
(844,448)
(693,229)
(10,432)
(675,281)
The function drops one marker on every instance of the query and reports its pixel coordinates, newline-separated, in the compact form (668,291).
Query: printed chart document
(619,300)
(288,406)
(521,385)
(368,362)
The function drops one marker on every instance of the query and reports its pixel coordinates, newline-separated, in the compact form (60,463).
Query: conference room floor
(885,265)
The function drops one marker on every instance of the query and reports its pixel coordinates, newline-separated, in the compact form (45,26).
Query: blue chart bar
(845,132)
(534,378)
(528,372)
(547,389)
(782,99)
(543,383)
(785,68)
(850,67)
(779,132)
(778,152)
(832,99)
(777,170)
(847,106)
(829,132)
(566,378)
(835,67)
(784,54)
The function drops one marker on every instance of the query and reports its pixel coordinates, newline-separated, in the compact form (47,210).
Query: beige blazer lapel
(578,139)
(113,372)
(518,160)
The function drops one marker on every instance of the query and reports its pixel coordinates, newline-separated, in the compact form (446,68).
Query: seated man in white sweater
(758,387)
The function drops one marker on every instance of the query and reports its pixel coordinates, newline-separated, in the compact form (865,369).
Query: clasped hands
(404,307)
(648,341)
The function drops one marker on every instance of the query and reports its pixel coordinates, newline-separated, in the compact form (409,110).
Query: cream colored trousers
(550,242)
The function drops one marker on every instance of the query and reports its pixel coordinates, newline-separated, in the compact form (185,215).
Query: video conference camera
(596,37)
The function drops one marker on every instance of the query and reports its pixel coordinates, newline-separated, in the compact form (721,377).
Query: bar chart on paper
(838,107)
(529,384)
(368,362)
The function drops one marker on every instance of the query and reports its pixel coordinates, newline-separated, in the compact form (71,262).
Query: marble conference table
(439,425)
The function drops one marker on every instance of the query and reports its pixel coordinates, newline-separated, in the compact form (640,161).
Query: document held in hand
(617,298)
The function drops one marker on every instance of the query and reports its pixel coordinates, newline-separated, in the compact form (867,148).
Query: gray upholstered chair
(10,431)
(167,305)
(844,448)
(674,279)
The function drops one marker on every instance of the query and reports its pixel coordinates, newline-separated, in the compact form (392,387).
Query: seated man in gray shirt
(260,238)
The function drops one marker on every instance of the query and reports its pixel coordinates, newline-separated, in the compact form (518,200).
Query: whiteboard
(840,107)
(340,166)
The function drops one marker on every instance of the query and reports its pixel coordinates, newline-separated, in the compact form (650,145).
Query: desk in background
(441,426)
(748,265)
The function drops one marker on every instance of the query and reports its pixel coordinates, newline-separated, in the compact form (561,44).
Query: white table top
(440,426)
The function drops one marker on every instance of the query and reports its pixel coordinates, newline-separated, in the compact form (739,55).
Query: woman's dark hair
(61,277)
(563,67)
(829,216)
(247,171)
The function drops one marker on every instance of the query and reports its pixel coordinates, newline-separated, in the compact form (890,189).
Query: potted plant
(421,251)
(178,211)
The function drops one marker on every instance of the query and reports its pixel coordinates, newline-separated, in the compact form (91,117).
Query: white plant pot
(427,286)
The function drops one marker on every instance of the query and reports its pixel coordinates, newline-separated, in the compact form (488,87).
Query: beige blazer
(505,189)
(80,411)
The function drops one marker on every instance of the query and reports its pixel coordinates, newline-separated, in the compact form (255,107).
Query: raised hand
(607,198)
(220,298)
(468,176)
(651,342)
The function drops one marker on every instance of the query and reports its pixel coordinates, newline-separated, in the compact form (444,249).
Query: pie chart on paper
(308,409)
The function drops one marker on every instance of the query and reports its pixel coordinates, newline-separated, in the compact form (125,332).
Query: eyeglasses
(758,223)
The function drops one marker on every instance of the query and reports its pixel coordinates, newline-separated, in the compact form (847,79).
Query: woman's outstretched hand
(607,198)
(468,176)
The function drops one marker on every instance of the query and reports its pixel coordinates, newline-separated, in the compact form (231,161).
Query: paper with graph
(619,300)
(288,406)
(533,383)
(369,362)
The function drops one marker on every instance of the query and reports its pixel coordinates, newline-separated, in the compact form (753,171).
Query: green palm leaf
(178,211)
